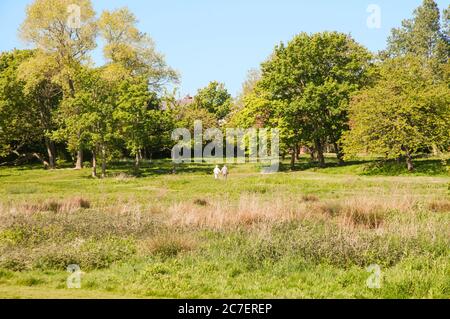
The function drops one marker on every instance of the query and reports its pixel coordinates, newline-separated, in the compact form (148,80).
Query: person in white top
(216,172)
(225,172)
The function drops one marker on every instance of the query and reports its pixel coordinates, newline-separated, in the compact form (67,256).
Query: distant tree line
(322,91)
(55,103)
(326,90)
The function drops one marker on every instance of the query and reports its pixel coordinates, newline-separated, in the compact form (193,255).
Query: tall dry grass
(252,209)
(342,231)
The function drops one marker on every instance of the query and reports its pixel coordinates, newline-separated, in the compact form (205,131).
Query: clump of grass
(22,189)
(200,202)
(14,260)
(324,242)
(30,281)
(364,211)
(258,189)
(250,210)
(167,245)
(329,208)
(67,205)
(439,206)
(310,198)
(122,176)
(89,254)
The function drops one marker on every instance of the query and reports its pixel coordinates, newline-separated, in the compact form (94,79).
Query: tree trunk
(293,153)
(297,152)
(79,163)
(94,163)
(320,156)
(435,150)
(51,151)
(339,154)
(137,162)
(312,154)
(409,162)
(72,88)
(23,158)
(103,162)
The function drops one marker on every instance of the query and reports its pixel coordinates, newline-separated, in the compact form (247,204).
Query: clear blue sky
(222,39)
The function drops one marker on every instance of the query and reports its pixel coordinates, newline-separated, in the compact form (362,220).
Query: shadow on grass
(305,164)
(370,167)
(427,167)
(161,167)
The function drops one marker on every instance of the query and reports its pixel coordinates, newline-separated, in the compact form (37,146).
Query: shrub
(92,254)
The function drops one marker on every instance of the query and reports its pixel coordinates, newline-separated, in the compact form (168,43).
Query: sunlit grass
(301,234)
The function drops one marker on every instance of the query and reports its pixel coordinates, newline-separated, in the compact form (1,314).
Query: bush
(92,254)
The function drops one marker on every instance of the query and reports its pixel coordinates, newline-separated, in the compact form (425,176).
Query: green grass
(310,233)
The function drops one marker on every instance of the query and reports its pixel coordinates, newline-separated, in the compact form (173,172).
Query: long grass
(302,234)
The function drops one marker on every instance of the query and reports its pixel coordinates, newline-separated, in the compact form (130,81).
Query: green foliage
(215,99)
(130,52)
(14,128)
(28,99)
(406,111)
(309,81)
(422,35)
(319,254)
(140,121)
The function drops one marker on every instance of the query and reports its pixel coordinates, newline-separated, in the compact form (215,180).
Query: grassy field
(309,233)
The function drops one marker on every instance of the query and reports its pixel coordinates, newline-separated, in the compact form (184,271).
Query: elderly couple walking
(218,171)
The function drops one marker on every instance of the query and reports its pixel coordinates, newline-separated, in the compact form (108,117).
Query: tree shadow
(429,167)
(306,164)
(161,167)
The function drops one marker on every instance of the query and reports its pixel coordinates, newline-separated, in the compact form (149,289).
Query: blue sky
(222,39)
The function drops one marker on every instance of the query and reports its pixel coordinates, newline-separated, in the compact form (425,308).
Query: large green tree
(309,81)
(131,53)
(425,35)
(87,119)
(141,122)
(64,33)
(27,102)
(405,112)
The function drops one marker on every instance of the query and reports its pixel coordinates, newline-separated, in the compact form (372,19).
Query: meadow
(307,233)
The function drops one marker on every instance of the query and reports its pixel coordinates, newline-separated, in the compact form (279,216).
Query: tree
(138,116)
(37,72)
(252,79)
(47,27)
(423,36)
(27,102)
(130,52)
(87,120)
(185,117)
(215,99)
(404,112)
(311,79)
